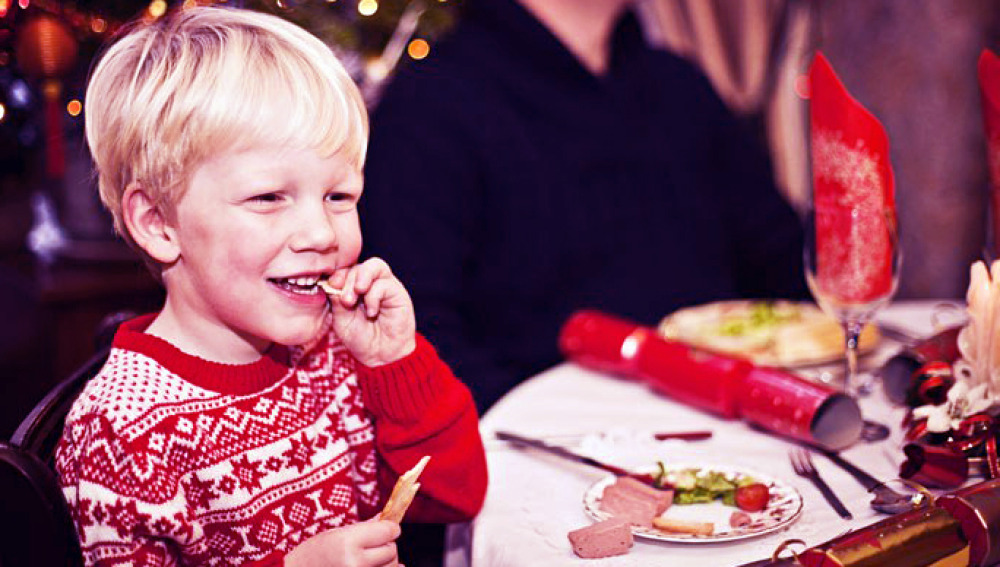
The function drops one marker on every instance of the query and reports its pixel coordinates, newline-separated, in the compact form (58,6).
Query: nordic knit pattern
(169,459)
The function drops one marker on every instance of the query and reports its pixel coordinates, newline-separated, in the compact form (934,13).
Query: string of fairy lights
(46,45)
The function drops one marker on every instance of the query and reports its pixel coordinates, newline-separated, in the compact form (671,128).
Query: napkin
(989,88)
(853,192)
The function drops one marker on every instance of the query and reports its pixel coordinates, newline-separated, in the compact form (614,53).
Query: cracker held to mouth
(328,288)
(404,491)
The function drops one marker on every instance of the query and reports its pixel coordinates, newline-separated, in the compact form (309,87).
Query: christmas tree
(47,48)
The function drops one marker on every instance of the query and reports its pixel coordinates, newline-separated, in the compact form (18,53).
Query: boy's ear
(148,225)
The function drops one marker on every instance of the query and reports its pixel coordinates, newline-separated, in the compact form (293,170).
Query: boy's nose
(314,230)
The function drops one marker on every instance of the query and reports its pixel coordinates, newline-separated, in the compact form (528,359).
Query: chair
(35,524)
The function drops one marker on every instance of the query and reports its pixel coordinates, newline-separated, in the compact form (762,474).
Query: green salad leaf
(762,315)
(698,486)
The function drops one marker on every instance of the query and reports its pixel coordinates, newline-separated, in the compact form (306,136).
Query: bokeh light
(157,8)
(20,94)
(376,69)
(367,7)
(74,107)
(418,49)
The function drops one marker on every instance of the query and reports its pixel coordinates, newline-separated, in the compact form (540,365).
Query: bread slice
(684,526)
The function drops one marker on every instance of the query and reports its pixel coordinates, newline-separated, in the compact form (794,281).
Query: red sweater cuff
(402,390)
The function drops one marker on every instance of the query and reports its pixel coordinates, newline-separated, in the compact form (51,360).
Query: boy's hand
(365,544)
(373,313)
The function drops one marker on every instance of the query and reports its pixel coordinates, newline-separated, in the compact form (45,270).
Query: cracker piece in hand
(328,288)
(404,491)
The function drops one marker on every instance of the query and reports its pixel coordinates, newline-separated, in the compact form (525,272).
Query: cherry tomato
(752,497)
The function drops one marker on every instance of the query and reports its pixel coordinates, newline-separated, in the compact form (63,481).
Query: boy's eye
(265,198)
(341,198)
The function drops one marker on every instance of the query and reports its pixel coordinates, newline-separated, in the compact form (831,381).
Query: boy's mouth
(305,285)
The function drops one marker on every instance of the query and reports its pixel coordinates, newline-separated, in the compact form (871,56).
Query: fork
(803,466)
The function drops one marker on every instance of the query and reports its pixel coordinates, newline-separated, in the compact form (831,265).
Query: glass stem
(852,334)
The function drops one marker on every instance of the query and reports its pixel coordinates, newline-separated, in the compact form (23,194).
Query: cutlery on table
(873,432)
(886,500)
(565,439)
(567,454)
(684,435)
(803,466)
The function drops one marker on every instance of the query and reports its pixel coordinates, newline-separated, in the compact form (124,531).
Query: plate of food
(769,333)
(698,503)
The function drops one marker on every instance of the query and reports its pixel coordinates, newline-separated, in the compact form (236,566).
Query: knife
(570,455)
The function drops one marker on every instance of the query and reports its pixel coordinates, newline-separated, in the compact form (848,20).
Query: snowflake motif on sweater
(157,468)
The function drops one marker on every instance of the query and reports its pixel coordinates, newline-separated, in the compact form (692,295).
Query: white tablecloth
(534,499)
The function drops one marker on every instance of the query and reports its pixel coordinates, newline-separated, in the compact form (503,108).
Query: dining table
(535,499)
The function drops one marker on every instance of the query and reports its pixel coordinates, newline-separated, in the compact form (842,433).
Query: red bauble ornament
(45,47)
(46,50)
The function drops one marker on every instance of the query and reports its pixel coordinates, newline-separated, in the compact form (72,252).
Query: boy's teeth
(304,286)
(304,281)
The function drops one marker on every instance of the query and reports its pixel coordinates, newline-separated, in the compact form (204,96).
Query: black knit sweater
(507,187)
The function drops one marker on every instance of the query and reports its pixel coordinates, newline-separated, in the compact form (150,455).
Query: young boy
(253,420)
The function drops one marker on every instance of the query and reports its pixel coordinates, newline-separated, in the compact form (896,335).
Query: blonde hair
(169,94)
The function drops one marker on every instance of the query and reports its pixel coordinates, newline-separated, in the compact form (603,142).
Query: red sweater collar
(236,379)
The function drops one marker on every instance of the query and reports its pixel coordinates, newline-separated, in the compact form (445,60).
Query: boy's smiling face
(255,230)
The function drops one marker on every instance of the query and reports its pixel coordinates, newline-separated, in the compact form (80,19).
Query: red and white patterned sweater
(169,459)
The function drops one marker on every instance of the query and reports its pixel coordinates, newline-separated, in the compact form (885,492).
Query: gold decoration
(921,537)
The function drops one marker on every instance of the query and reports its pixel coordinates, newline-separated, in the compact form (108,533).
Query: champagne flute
(852,260)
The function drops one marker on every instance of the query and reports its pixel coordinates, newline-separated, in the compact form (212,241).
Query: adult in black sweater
(545,159)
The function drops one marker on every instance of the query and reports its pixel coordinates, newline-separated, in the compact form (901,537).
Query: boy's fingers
(377,264)
(374,298)
(338,277)
(371,271)
(349,297)
(380,533)
(385,554)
